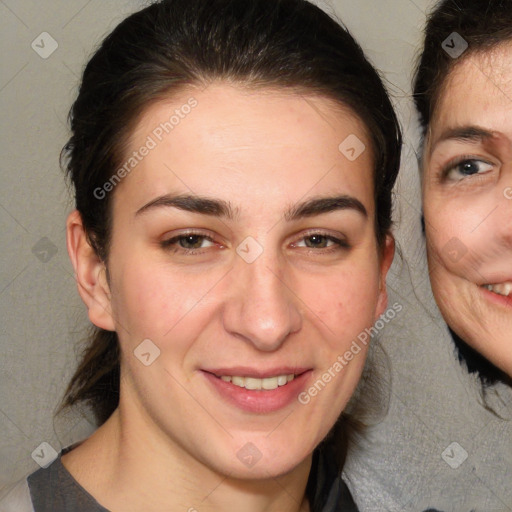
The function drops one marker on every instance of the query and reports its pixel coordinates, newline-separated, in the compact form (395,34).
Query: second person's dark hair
(483,25)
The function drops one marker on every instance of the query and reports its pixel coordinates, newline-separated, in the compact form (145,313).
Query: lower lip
(497,298)
(264,401)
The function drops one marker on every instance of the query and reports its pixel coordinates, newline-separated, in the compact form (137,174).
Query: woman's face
(244,249)
(467,201)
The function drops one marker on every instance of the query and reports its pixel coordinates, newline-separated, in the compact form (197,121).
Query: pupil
(316,240)
(191,242)
(469,168)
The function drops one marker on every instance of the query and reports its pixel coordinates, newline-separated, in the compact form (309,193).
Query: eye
(321,241)
(462,168)
(188,242)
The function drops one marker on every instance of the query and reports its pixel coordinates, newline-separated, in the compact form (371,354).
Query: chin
(250,464)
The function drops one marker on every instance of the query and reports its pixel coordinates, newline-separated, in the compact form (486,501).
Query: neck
(129,466)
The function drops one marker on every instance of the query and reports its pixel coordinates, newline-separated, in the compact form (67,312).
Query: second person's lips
(504,289)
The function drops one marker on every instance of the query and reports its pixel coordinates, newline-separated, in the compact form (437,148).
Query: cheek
(151,300)
(457,232)
(345,301)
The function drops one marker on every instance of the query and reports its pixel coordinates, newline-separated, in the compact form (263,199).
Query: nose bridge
(261,309)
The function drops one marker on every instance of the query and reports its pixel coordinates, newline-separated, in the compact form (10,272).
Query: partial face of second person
(244,248)
(467,198)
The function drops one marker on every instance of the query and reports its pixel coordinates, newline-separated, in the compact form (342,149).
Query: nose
(261,309)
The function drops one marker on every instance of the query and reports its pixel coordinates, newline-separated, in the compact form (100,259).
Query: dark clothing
(53,489)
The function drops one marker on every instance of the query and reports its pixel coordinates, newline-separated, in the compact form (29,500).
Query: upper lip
(246,371)
(497,280)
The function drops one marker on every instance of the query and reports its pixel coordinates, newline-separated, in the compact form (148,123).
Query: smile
(504,289)
(252,383)
(259,391)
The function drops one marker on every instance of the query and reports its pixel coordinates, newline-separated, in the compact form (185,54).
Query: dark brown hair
(172,44)
(483,25)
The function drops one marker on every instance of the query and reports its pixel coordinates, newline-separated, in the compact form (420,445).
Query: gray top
(442,445)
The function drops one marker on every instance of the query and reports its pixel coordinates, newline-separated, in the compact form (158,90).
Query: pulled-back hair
(173,44)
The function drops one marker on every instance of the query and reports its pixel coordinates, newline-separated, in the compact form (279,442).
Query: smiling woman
(228,270)
(462,91)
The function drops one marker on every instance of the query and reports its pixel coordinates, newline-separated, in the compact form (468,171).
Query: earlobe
(385,264)
(90,274)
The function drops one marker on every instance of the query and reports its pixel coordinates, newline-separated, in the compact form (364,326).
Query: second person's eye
(461,169)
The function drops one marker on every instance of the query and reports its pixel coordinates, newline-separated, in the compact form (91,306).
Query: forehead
(237,141)
(478,91)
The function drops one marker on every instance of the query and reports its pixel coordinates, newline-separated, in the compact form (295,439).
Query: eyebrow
(221,208)
(321,205)
(473,134)
(192,203)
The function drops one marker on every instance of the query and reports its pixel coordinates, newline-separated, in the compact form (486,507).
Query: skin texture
(173,441)
(467,198)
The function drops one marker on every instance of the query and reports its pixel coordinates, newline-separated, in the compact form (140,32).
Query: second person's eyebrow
(221,208)
(468,133)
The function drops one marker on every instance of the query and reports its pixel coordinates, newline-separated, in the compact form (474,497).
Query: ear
(90,274)
(386,259)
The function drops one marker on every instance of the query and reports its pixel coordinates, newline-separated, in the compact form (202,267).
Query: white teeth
(238,381)
(253,383)
(282,380)
(504,289)
(270,383)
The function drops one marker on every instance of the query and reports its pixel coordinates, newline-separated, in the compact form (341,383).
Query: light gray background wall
(42,318)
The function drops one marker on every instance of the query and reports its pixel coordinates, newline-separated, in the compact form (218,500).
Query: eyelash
(457,162)
(172,243)
(339,244)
